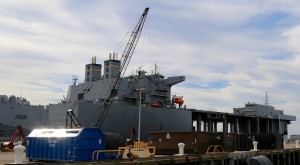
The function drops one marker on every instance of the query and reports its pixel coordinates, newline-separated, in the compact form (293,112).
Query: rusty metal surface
(198,142)
(195,142)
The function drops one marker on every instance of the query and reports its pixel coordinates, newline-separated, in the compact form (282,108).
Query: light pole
(140,109)
(279,126)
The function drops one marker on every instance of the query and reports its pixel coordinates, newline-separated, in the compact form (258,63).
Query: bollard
(19,152)
(297,144)
(181,148)
(255,145)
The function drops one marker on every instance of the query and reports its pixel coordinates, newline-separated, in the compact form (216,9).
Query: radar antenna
(74,78)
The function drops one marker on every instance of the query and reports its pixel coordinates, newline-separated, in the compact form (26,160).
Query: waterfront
(287,156)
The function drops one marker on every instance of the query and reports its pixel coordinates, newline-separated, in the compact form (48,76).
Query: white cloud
(293,37)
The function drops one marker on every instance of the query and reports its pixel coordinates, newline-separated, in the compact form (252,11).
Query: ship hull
(121,118)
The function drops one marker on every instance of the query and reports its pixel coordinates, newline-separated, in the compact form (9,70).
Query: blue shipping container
(64,144)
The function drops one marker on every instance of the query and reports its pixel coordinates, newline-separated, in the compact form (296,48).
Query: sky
(231,52)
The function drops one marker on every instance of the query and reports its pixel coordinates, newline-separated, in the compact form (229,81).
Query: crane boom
(125,59)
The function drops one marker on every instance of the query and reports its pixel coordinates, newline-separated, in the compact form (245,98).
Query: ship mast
(267,99)
(125,59)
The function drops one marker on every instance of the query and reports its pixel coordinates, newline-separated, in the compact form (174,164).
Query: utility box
(64,144)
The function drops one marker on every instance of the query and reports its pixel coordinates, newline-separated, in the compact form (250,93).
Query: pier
(289,156)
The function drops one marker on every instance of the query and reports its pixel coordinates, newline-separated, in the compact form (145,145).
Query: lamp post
(279,126)
(140,109)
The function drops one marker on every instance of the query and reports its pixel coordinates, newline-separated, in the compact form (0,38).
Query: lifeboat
(179,100)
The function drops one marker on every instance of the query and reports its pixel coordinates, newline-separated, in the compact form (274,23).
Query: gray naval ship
(18,111)
(160,110)
(151,92)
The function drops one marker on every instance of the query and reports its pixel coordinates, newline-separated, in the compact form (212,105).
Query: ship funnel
(92,71)
(110,56)
(114,56)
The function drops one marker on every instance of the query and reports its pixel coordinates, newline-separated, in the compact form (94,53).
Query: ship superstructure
(157,89)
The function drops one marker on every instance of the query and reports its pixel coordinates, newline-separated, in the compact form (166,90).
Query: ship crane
(126,56)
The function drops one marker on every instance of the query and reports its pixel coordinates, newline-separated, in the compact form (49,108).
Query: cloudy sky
(231,52)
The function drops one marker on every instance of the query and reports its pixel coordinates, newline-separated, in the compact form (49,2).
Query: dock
(278,157)
(290,156)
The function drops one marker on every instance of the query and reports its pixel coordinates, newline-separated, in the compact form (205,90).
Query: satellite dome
(13,99)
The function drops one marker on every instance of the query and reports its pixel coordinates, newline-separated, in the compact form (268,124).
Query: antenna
(155,69)
(266,99)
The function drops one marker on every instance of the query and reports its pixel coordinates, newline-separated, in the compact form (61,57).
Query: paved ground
(8,157)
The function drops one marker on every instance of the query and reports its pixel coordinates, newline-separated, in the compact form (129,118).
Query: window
(21,117)
(80,96)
